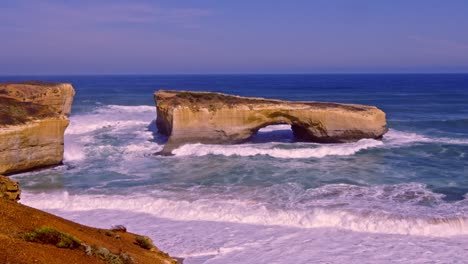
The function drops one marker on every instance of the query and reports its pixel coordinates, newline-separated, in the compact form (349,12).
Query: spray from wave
(115,117)
(96,134)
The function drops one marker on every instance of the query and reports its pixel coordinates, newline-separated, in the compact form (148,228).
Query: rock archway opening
(274,133)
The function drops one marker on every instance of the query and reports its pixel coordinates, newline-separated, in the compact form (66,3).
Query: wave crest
(239,212)
(275,150)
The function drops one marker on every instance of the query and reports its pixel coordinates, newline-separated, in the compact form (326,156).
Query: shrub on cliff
(144,242)
(49,235)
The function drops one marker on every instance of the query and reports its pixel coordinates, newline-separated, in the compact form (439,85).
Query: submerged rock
(215,118)
(33,119)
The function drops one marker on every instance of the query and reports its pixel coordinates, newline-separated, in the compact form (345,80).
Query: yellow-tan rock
(9,189)
(33,119)
(215,118)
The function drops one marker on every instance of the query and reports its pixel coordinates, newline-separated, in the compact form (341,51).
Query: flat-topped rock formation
(215,118)
(33,119)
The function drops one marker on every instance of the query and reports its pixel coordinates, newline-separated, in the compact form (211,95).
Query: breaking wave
(334,212)
(115,117)
(99,132)
(397,138)
(275,150)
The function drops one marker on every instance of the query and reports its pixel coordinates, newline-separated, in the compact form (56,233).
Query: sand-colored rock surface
(16,220)
(33,119)
(9,189)
(215,118)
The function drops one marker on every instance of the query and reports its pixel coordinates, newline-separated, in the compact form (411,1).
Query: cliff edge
(33,119)
(216,118)
(28,235)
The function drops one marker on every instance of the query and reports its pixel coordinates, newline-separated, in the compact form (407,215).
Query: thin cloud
(50,15)
(439,44)
(139,14)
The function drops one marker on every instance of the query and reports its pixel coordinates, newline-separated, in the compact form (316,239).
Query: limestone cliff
(33,119)
(215,118)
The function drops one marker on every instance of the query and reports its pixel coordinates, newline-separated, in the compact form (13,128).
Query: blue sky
(213,36)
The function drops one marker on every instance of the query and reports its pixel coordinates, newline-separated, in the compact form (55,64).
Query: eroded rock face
(215,118)
(33,119)
(9,189)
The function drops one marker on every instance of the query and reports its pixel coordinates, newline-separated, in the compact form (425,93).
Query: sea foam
(392,139)
(274,150)
(398,138)
(83,136)
(380,209)
(115,117)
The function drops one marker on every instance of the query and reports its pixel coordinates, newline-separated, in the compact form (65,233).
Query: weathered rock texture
(33,119)
(215,118)
(9,189)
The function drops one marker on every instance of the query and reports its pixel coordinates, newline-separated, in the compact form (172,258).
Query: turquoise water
(270,193)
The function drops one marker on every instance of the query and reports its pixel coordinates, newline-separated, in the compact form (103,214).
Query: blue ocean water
(221,204)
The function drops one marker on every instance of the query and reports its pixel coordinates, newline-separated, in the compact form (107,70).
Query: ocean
(402,199)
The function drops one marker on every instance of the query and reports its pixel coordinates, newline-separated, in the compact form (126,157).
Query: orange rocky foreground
(16,220)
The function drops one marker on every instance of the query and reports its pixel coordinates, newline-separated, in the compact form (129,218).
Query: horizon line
(227,73)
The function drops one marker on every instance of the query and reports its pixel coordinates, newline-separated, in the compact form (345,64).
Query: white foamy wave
(249,212)
(393,138)
(129,109)
(274,150)
(111,116)
(142,149)
(73,151)
(396,138)
(82,126)
(88,134)
(275,128)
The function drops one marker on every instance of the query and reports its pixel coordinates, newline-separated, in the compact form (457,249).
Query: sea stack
(33,119)
(216,118)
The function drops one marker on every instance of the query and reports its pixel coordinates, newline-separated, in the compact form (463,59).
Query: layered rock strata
(33,119)
(215,118)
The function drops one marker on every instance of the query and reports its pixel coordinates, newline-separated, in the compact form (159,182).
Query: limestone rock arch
(215,118)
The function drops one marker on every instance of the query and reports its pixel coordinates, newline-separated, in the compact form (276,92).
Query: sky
(241,36)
